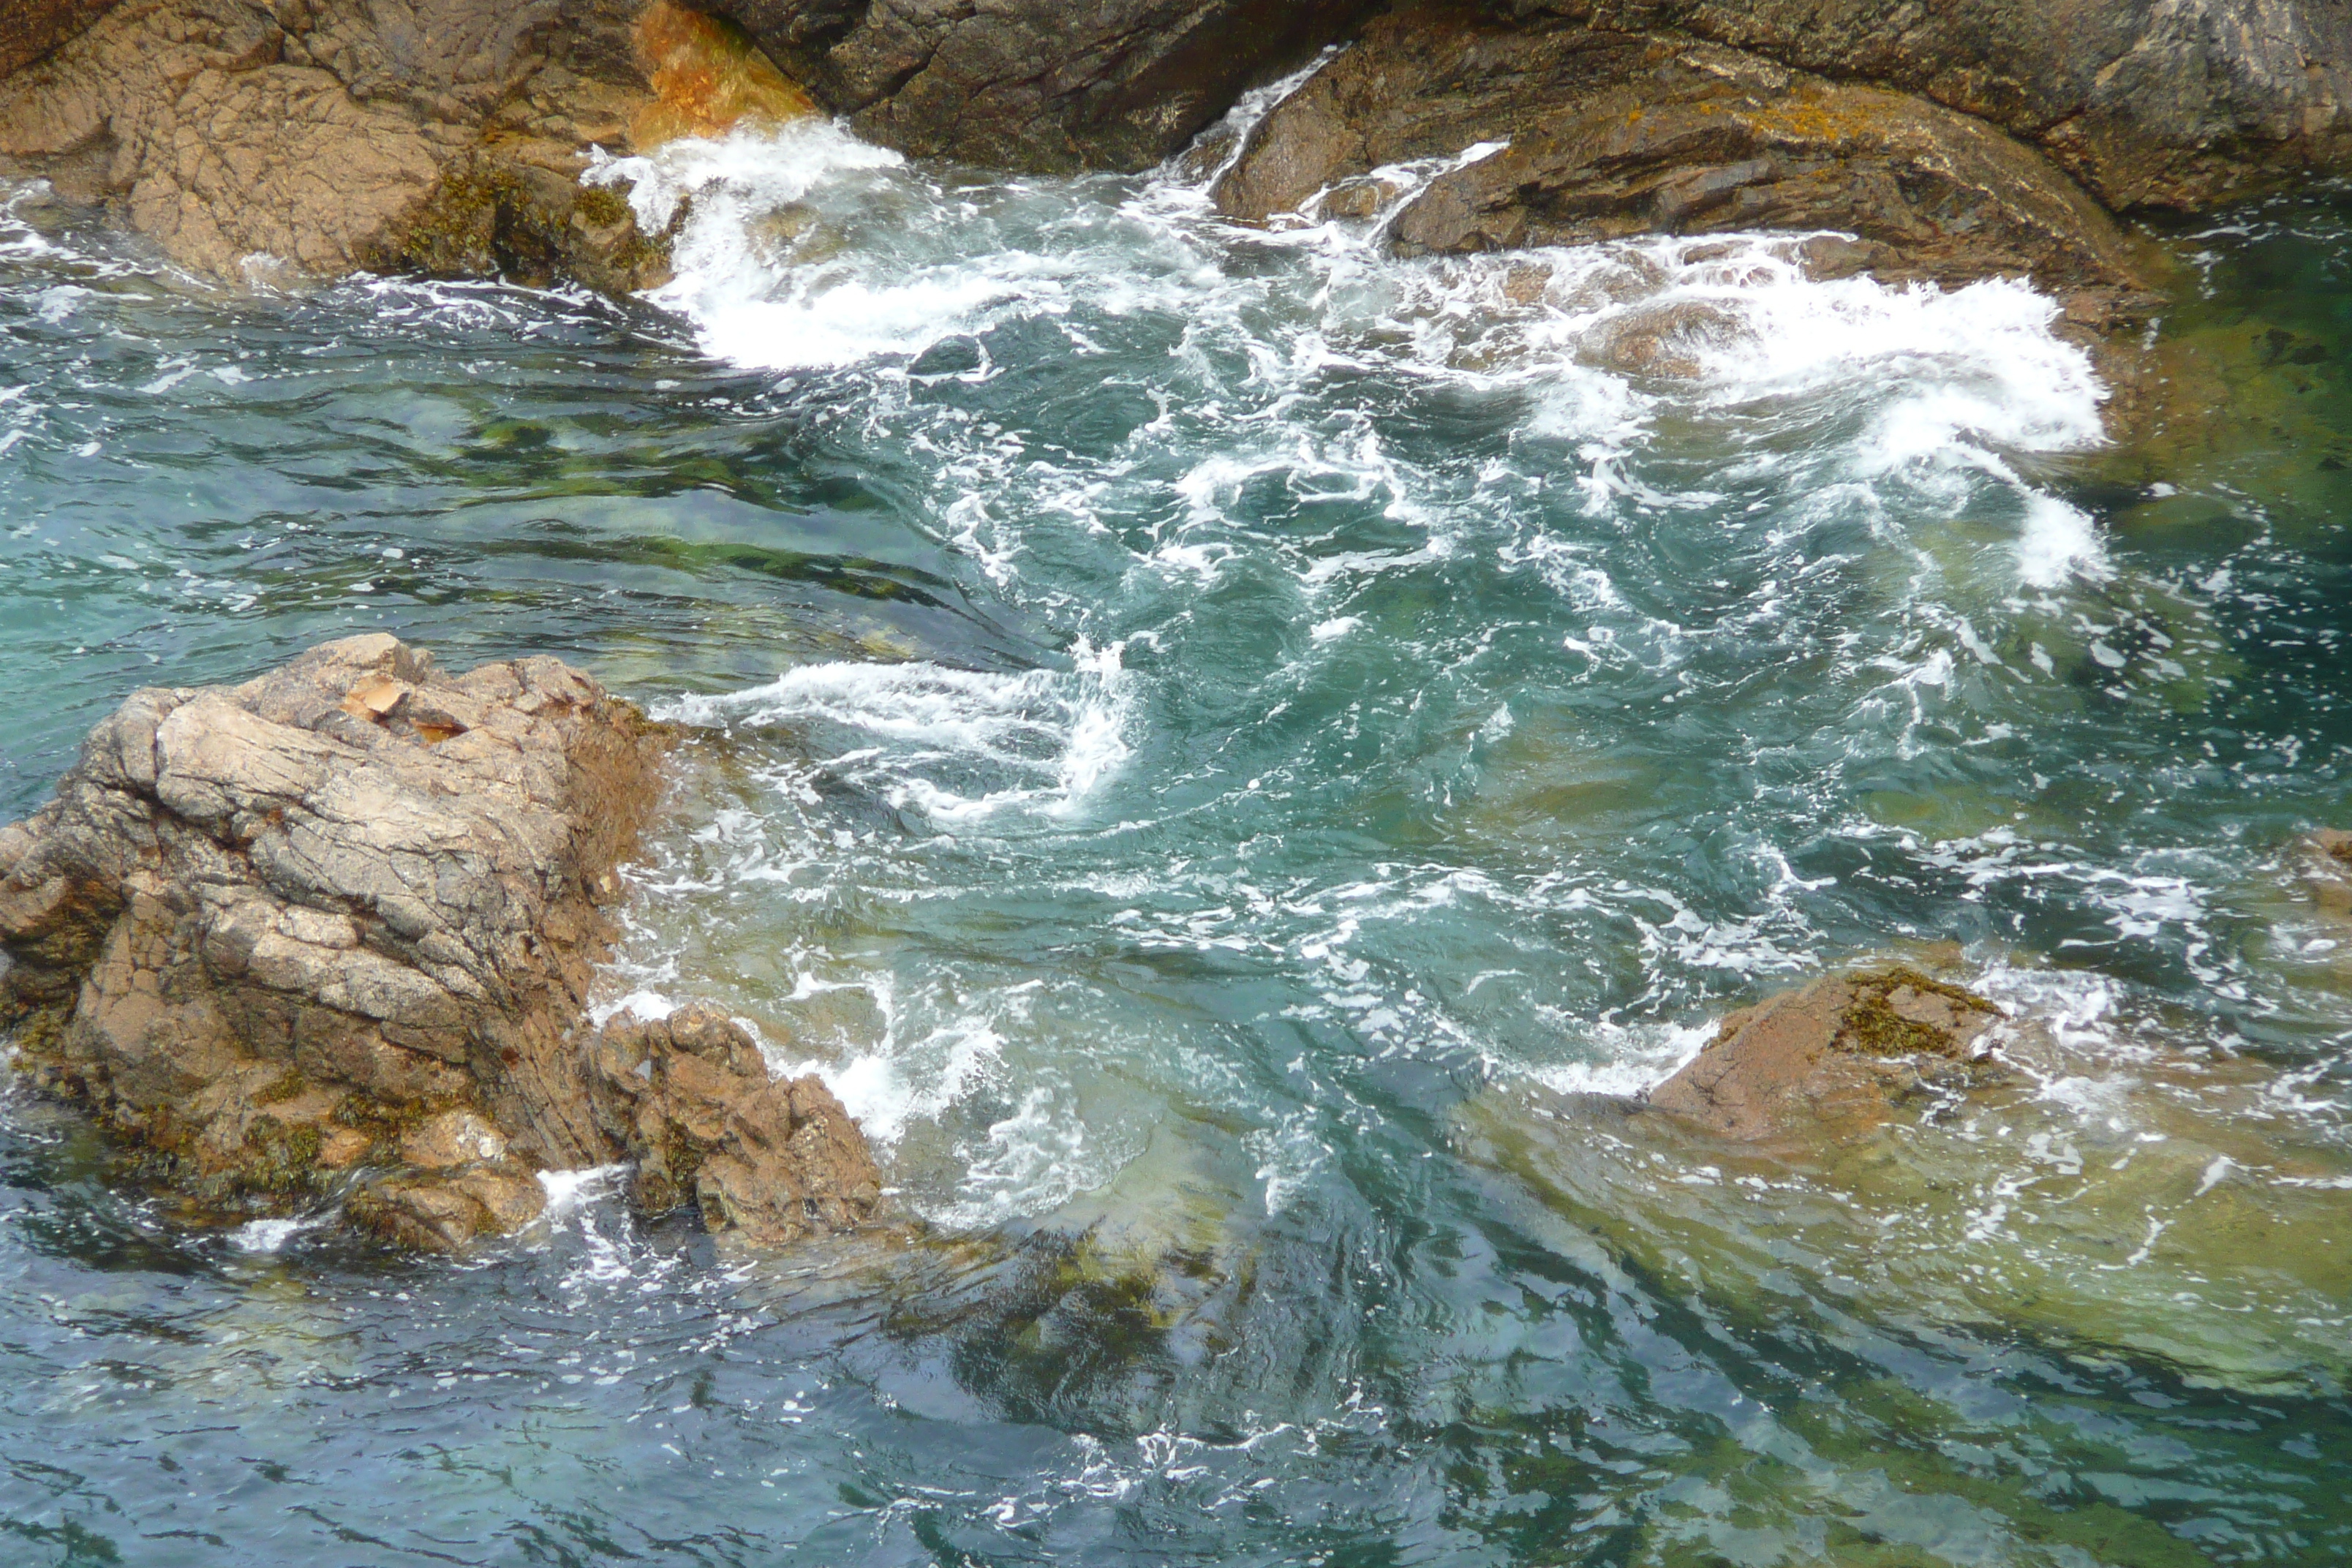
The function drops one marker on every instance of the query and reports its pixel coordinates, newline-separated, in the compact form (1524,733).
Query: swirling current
(1216,742)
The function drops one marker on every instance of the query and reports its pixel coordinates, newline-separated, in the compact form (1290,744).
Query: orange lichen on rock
(707,78)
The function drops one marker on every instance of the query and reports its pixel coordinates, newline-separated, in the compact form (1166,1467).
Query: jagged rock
(689,1098)
(437,136)
(2169,103)
(1037,84)
(1839,1053)
(1593,135)
(337,925)
(345,912)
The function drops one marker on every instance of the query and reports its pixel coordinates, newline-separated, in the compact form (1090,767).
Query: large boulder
(2165,103)
(1564,135)
(330,934)
(315,137)
(1837,1054)
(1040,85)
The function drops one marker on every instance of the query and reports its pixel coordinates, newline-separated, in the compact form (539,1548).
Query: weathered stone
(689,1098)
(318,136)
(1839,1054)
(344,918)
(1594,135)
(1037,84)
(354,899)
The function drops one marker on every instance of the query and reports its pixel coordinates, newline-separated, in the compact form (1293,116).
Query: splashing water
(1217,742)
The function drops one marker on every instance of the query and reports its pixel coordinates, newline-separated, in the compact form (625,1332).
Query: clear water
(1211,739)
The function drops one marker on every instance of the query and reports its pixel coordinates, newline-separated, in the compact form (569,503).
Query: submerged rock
(336,926)
(317,137)
(2106,1192)
(1565,134)
(1039,85)
(1837,1054)
(2327,858)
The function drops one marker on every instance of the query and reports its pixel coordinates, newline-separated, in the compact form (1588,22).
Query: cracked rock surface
(330,934)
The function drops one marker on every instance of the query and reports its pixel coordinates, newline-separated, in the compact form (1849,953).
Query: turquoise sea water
(1215,743)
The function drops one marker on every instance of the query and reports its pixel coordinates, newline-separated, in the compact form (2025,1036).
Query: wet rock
(1037,84)
(1570,135)
(2146,102)
(315,137)
(2327,860)
(689,1099)
(343,914)
(1666,339)
(1840,1052)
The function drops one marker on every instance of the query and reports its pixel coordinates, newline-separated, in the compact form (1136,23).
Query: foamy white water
(1870,422)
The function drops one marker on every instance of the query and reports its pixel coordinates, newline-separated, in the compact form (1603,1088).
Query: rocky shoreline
(446,137)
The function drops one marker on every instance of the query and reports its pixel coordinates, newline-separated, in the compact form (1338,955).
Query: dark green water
(1211,739)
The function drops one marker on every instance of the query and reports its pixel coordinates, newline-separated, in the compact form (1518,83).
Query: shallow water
(1212,741)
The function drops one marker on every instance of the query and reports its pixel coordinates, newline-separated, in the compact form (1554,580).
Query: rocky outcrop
(1563,134)
(689,1097)
(1839,1053)
(1038,85)
(321,136)
(2164,103)
(331,932)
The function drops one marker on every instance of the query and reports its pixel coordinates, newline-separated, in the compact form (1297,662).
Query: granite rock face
(1839,1053)
(331,933)
(1037,84)
(1564,135)
(250,138)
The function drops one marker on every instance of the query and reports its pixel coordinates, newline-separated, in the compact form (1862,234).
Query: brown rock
(1612,135)
(1663,340)
(446,137)
(2146,102)
(690,1099)
(1838,1053)
(345,916)
(444,1213)
(31,28)
(346,911)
